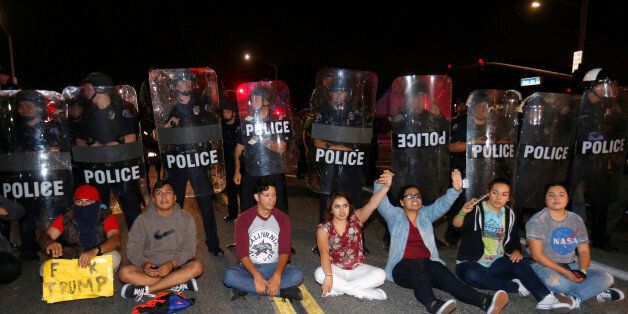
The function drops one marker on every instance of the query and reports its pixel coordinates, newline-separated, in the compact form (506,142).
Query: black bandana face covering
(85,217)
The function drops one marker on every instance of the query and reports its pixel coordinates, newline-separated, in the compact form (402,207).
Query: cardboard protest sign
(64,280)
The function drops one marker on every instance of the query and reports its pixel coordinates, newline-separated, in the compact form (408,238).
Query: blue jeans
(596,281)
(499,275)
(239,278)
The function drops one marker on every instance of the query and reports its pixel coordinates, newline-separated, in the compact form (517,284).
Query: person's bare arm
(536,249)
(322,241)
(237,177)
(458,147)
(365,212)
(258,279)
(47,242)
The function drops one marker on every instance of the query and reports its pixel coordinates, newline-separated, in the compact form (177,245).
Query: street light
(10,51)
(583,7)
(248,57)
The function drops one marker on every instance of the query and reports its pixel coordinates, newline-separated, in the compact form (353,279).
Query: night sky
(57,43)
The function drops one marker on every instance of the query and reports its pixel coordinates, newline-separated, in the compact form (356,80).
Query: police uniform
(39,138)
(231,136)
(195,114)
(340,177)
(272,164)
(107,125)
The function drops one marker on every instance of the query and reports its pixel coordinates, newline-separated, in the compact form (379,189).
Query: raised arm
(365,212)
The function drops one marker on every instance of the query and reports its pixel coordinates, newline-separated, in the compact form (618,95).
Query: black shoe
(236,294)
(229,218)
(292,294)
(231,247)
(315,250)
(442,307)
(217,251)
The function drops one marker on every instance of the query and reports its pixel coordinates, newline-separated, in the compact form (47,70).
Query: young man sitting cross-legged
(161,248)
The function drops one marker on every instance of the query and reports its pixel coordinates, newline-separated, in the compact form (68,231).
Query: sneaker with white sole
(522,289)
(370,294)
(134,291)
(442,307)
(497,302)
(611,294)
(575,302)
(189,285)
(551,303)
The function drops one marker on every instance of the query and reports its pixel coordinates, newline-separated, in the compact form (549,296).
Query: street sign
(577,59)
(530,81)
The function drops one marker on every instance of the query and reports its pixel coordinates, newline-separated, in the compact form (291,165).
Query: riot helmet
(183,84)
(600,80)
(30,105)
(416,95)
(260,97)
(339,90)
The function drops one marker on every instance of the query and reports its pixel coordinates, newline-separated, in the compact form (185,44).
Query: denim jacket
(399,227)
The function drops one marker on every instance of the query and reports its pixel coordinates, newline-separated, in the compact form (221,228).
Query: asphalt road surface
(24,295)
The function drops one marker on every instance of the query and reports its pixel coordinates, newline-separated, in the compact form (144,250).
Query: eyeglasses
(416,196)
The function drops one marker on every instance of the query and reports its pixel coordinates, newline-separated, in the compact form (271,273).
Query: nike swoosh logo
(158,235)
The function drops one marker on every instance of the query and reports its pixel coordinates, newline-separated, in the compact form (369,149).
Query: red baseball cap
(86,192)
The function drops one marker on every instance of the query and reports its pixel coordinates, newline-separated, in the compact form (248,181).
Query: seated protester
(339,242)
(161,248)
(413,260)
(554,234)
(489,255)
(10,267)
(87,230)
(263,236)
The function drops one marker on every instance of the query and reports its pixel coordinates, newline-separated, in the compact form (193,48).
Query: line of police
(90,135)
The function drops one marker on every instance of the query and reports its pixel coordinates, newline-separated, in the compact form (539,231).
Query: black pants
(248,189)
(30,222)
(599,213)
(129,197)
(423,274)
(232,190)
(10,268)
(203,190)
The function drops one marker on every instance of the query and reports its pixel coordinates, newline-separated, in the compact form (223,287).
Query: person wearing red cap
(87,230)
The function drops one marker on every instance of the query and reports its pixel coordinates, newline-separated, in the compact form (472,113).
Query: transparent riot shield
(266,127)
(600,143)
(548,128)
(421,113)
(35,161)
(491,139)
(342,130)
(188,130)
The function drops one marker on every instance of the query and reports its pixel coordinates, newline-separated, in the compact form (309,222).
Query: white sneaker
(551,303)
(371,294)
(575,302)
(611,294)
(522,289)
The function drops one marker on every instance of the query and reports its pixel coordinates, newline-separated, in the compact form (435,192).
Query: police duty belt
(35,162)
(106,154)
(341,134)
(189,135)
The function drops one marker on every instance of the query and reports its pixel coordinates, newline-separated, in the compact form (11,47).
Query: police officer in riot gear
(190,111)
(273,148)
(338,111)
(231,136)
(33,134)
(109,121)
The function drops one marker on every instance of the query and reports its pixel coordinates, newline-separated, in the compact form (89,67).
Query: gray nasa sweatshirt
(160,239)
